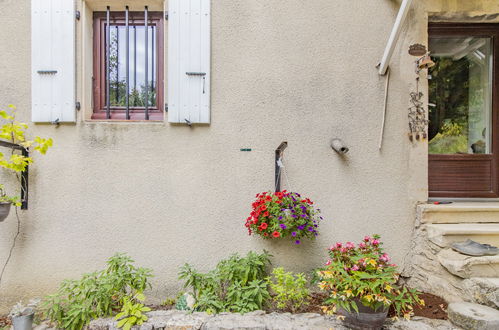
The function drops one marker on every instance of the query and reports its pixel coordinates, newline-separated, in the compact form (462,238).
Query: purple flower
(283,226)
(293,234)
(310,229)
(303,215)
(301,227)
(316,234)
(297,241)
(294,216)
(280,218)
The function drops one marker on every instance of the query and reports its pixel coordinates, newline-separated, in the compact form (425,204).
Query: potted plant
(22,316)
(362,285)
(14,133)
(6,202)
(283,215)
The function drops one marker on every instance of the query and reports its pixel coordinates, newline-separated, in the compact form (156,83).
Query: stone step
(471,316)
(444,234)
(459,212)
(483,290)
(468,267)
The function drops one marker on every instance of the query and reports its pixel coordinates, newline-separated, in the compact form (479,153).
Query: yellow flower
(407,316)
(388,288)
(322,285)
(421,302)
(368,297)
(340,317)
(348,293)
(372,262)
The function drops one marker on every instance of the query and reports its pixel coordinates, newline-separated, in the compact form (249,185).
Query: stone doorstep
(444,234)
(466,266)
(258,320)
(473,316)
(459,212)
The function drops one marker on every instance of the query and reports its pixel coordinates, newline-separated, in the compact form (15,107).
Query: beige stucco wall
(282,70)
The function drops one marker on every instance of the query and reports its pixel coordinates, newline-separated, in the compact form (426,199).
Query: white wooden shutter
(53,60)
(189,61)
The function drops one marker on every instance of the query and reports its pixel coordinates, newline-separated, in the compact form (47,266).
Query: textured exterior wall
(282,70)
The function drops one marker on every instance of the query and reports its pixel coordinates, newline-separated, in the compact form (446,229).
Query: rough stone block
(471,316)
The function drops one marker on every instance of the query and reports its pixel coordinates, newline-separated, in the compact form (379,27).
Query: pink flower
(346,268)
(362,245)
(375,242)
(350,245)
(384,257)
(332,248)
(367,239)
(338,245)
(343,250)
(328,263)
(355,268)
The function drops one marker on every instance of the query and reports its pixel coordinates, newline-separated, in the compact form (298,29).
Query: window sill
(134,117)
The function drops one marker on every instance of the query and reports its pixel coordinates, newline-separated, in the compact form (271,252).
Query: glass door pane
(460,95)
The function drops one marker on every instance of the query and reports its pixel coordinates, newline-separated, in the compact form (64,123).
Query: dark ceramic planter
(4,210)
(366,319)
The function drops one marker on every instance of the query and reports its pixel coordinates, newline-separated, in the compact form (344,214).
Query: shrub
(95,295)
(235,285)
(363,273)
(290,290)
(283,214)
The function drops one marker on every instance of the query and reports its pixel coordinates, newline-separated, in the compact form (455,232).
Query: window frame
(156,113)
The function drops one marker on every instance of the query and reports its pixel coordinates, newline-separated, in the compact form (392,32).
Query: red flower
(268,198)
(276,234)
(266,213)
(264,226)
(278,202)
(265,234)
(264,207)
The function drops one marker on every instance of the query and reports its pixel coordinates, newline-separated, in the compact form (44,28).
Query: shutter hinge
(166,15)
(77,15)
(166,107)
(78,106)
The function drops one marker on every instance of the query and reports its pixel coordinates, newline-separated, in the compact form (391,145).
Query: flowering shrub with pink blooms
(363,274)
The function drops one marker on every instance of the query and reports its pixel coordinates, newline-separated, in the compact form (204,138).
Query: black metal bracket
(278,154)
(24,174)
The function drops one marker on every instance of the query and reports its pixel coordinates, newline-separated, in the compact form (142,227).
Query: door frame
(447,174)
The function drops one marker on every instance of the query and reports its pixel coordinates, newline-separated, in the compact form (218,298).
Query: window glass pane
(137,66)
(460,97)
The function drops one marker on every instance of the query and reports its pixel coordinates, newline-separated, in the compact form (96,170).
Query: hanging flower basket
(277,215)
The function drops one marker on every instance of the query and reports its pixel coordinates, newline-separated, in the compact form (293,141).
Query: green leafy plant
(132,311)
(236,284)
(14,132)
(96,294)
(290,290)
(363,274)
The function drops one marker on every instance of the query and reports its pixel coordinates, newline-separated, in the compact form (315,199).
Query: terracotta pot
(4,210)
(366,319)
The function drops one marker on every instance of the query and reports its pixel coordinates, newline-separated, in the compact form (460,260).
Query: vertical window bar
(117,65)
(134,60)
(127,64)
(146,91)
(108,64)
(152,55)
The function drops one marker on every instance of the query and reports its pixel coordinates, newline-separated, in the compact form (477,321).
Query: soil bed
(434,308)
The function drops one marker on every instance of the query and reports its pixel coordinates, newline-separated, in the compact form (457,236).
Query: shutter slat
(53,48)
(189,51)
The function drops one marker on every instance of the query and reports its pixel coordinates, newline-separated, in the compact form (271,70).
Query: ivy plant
(98,294)
(14,132)
(237,284)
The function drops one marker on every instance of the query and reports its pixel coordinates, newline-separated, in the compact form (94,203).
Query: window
(143,88)
(460,95)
